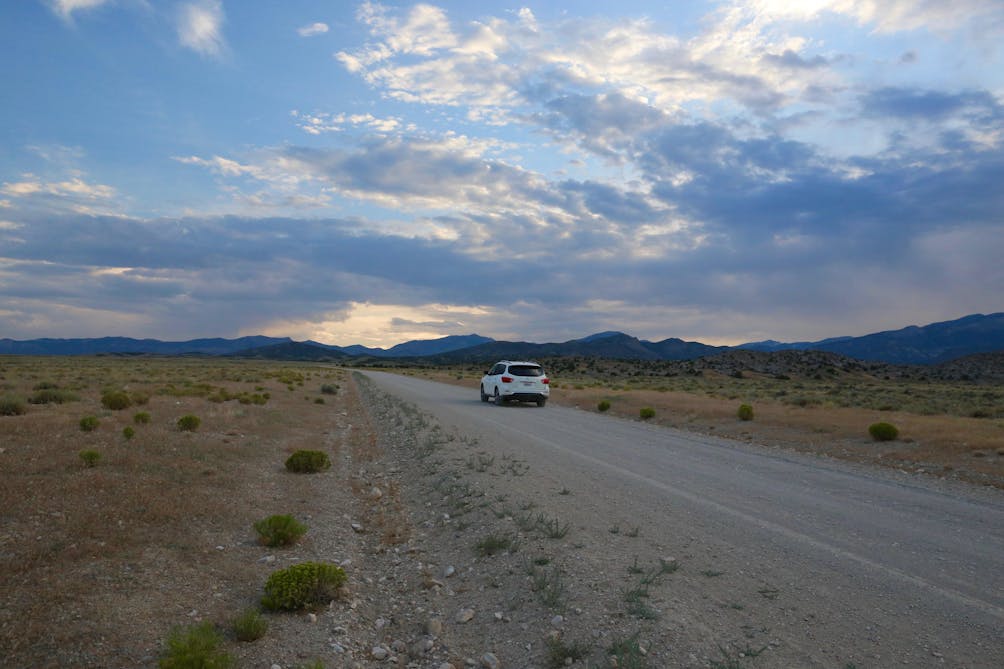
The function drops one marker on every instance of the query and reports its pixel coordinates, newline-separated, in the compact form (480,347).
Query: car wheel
(498,398)
(484,397)
(541,402)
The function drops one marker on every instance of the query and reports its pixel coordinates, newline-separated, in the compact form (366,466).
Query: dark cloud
(914,103)
(790,59)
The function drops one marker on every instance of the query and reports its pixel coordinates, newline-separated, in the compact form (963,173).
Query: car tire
(498,398)
(541,402)
(484,396)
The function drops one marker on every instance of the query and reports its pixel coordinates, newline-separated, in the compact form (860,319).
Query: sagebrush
(303,585)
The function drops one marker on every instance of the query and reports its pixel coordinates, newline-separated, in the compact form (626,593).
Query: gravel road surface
(826,560)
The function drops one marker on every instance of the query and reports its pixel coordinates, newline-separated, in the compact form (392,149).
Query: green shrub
(646,413)
(128,432)
(560,654)
(330,389)
(195,647)
(883,431)
(302,585)
(12,406)
(250,625)
(189,423)
(745,412)
(604,405)
(116,400)
(279,530)
(142,418)
(90,457)
(307,462)
(89,423)
(52,396)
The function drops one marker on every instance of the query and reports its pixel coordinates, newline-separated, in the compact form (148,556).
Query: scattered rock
(356,527)
(465,616)
(449,571)
(489,661)
(434,627)
(422,646)
(379,653)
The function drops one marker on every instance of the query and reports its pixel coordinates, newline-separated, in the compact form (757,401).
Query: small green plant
(195,647)
(12,406)
(141,418)
(250,625)
(128,432)
(560,654)
(745,412)
(279,530)
(330,389)
(52,396)
(495,543)
(883,431)
(116,400)
(550,587)
(308,462)
(646,412)
(90,457)
(303,585)
(604,405)
(89,423)
(552,527)
(189,423)
(627,653)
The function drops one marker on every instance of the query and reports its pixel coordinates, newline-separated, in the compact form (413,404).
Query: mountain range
(926,345)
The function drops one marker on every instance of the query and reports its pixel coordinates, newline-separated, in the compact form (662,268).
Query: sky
(372,173)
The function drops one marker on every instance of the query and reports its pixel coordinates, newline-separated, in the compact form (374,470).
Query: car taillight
(545,380)
(506,379)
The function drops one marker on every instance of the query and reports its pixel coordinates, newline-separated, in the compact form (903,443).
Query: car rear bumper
(525,397)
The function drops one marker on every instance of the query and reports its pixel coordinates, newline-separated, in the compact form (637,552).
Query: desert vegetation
(948,422)
(138,528)
(170,542)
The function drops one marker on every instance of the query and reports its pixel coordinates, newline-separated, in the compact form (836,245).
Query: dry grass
(828,415)
(97,563)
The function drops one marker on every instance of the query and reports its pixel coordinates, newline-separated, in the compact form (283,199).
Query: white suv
(517,381)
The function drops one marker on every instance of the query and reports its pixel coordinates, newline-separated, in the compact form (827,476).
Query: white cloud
(65,8)
(74,187)
(313,29)
(321,122)
(200,27)
(936,16)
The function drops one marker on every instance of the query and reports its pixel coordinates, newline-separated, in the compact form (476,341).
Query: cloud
(886,16)
(66,8)
(199,26)
(313,29)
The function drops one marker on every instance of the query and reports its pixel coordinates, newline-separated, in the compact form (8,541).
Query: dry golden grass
(97,563)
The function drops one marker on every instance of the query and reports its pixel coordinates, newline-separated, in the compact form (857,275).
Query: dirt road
(808,561)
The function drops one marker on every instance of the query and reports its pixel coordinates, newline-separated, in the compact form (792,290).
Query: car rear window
(526,370)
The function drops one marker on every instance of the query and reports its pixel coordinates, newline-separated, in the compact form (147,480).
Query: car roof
(520,362)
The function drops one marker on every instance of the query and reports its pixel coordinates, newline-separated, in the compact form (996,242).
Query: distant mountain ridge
(913,345)
(927,345)
(214,346)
